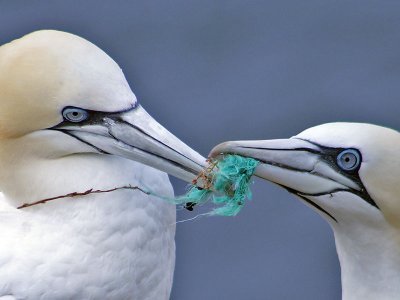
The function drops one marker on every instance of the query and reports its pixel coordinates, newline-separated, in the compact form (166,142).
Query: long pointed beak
(135,135)
(295,164)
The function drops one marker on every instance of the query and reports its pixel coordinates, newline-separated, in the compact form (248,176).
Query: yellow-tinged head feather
(45,71)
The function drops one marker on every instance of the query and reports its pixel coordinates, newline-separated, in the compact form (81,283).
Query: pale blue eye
(349,159)
(74,114)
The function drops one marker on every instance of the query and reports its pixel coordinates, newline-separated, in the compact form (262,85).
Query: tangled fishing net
(225,182)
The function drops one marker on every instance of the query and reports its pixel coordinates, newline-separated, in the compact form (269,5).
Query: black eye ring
(349,159)
(75,114)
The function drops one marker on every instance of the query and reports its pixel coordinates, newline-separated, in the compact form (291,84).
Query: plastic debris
(226,183)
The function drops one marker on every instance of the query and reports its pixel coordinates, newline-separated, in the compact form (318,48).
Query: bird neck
(126,233)
(369,255)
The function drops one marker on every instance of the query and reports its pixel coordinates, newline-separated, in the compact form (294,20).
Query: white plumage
(103,246)
(117,245)
(349,173)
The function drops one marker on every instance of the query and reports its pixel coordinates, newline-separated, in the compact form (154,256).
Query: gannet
(69,122)
(349,173)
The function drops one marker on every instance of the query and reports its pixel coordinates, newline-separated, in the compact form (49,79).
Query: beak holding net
(226,183)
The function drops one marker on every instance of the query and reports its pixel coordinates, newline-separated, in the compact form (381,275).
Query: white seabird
(65,106)
(349,173)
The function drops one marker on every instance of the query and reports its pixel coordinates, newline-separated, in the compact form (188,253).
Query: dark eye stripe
(330,155)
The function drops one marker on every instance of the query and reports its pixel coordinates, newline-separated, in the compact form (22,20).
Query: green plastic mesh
(229,181)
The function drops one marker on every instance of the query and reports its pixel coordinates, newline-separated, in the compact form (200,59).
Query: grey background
(220,70)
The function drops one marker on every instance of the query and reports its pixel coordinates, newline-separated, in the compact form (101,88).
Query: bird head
(65,96)
(348,172)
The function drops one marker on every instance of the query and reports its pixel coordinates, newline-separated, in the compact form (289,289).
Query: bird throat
(370,260)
